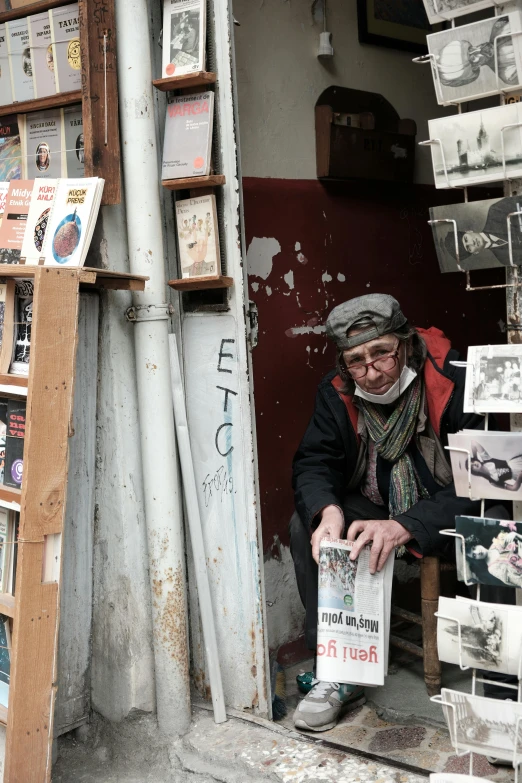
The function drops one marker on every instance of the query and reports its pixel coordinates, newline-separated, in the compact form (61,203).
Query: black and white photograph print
(479,635)
(483,239)
(487,464)
(482,725)
(493,379)
(442,10)
(184,24)
(492,551)
(470,148)
(464,63)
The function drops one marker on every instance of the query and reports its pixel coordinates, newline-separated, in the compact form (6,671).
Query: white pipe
(158,446)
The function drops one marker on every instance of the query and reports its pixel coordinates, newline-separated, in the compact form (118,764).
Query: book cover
(14,221)
(41,203)
(74,145)
(15,528)
(3,435)
(42,54)
(188,136)
(43,148)
(72,220)
(65,32)
(14,449)
(20,59)
(4,532)
(198,237)
(4,187)
(5,660)
(23,310)
(10,149)
(6,89)
(184,32)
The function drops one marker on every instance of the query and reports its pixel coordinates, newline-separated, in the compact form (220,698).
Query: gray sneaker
(321,708)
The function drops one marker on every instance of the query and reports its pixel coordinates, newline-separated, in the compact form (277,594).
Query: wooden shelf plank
(14,380)
(7,605)
(189,183)
(10,497)
(201,78)
(201,283)
(39,104)
(33,8)
(3,715)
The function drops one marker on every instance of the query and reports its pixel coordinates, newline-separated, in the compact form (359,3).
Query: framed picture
(398,24)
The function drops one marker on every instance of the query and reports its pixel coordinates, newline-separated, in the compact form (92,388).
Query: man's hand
(331,526)
(385,534)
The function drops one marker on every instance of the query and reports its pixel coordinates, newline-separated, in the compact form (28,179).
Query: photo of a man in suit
(494,235)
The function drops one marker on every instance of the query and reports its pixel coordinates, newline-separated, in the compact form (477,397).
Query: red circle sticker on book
(170,69)
(198,163)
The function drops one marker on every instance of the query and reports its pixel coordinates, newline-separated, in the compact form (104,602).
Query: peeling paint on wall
(326,278)
(260,255)
(341,278)
(295,331)
(289,279)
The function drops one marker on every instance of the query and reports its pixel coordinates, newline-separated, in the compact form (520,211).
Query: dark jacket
(327,456)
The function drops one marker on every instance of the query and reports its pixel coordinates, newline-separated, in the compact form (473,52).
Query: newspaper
(353,626)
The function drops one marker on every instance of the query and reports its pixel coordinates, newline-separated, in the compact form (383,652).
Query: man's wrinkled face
(376,380)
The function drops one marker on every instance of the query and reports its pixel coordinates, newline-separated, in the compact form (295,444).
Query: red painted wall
(379,239)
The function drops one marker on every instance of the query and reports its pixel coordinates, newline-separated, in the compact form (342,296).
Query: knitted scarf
(391,437)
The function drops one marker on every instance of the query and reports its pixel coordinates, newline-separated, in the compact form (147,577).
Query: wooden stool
(430,568)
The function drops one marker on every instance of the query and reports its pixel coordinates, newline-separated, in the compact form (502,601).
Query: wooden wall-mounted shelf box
(199,79)
(201,283)
(384,153)
(193,183)
(101,142)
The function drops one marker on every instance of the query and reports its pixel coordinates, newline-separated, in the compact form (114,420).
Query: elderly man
(372,465)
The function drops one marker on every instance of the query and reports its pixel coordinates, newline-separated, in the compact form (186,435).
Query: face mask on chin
(406,377)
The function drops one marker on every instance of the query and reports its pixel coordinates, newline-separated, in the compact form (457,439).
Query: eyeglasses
(382,364)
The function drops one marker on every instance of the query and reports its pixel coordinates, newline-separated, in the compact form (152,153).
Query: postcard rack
(438,699)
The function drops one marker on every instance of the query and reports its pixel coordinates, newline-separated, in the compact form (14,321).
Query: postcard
(491,549)
(494,379)
(442,10)
(487,464)
(471,148)
(476,60)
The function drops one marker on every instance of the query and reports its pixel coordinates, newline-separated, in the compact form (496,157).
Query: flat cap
(377,314)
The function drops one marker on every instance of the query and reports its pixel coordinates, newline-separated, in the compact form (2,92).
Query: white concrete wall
(280,79)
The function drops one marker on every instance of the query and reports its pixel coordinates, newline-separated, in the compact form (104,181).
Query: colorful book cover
(188,136)
(74,145)
(198,237)
(69,231)
(39,212)
(14,221)
(4,533)
(4,187)
(3,431)
(5,660)
(10,149)
(43,148)
(42,55)
(65,31)
(14,449)
(23,319)
(6,88)
(20,59)
(184,27)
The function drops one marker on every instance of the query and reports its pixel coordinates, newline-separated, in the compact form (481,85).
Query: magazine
(41,203)
(494,379)
(479,635)
(352,633)
(492,551)
(188,136)
(487,464)
(482,725)
(198,237)
(184,28)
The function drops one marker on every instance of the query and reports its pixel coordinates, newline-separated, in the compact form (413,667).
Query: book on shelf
(65,32)
(21,346)
(3,435)
(14,447)
(6,88)
(188,136)
(41,204)
(20,59)
(7,305)
(10,149)
(4,187)
(5,659)
(72,221)
(14,535)
(42,54)
(184,34)
(198,236)
(73,141)
(14,221)
(43,148)
(353,616)
(4,548)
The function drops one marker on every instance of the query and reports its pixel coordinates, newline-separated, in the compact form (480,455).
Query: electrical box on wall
(359,135)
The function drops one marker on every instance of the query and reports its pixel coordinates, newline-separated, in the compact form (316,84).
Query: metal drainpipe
(150,313)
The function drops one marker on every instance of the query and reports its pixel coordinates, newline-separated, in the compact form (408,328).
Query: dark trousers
(356,506)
